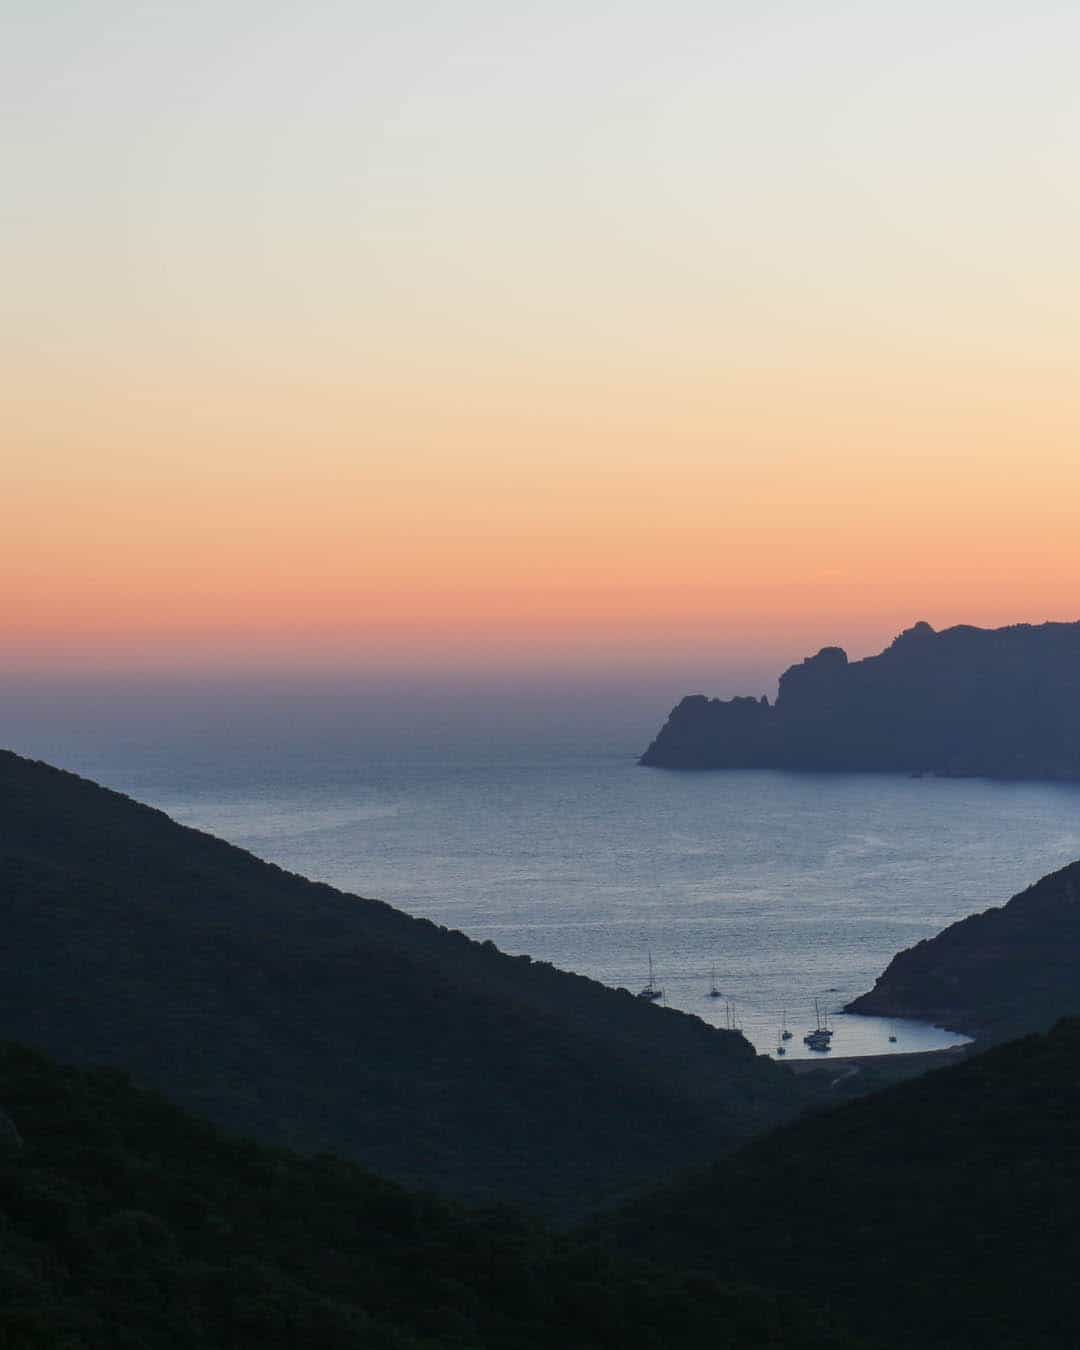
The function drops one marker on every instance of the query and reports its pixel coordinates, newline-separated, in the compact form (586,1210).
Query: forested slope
(318,1020)
(126,1224)
(939,1214)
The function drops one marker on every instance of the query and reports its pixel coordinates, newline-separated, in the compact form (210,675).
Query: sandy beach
(845,1067)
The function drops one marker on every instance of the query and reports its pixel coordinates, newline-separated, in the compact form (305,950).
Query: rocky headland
(1001,703)
(995,975)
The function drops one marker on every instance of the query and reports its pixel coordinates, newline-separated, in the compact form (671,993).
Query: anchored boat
(821,1036)
(651,993)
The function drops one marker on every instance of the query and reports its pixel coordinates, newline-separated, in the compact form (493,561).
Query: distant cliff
(1004,703)
(998,974)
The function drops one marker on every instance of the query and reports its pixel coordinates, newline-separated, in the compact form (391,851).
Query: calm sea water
(527,821)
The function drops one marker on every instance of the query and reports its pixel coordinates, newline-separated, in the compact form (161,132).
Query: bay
(524,819)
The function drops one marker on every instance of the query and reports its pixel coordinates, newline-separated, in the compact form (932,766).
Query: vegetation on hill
(125,1223)
(938,1214)
(999,702)
(995,975)
(316,1020)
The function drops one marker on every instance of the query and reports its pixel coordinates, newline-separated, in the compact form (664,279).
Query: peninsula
(1000,703)
(996,975)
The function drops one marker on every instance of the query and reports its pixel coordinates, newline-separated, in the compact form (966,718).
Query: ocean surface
(525,819)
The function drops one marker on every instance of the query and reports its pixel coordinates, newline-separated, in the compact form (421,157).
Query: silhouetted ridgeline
(997,974)
(126,1224)
(938,1214)
(314,1019)
(1002,703)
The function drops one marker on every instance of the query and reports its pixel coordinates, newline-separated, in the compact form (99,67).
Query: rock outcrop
(1003,703)
(994,975)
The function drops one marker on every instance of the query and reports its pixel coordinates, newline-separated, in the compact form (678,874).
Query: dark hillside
(938,1214)
(318,1020)
(127,1225)
(994,975)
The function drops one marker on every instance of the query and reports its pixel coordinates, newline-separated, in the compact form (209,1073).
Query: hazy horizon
(670,675)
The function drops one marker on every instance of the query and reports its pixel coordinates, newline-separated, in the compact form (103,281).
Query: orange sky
(735,349)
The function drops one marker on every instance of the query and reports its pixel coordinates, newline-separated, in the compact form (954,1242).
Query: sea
(524,818)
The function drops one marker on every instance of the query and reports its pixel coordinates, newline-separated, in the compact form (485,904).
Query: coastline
(889,1067)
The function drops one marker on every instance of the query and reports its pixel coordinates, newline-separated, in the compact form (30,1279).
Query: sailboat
(819,1038)
(714,991)
(785,1035)
(650,993)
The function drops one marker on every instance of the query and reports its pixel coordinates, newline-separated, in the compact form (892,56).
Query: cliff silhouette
(1001,703)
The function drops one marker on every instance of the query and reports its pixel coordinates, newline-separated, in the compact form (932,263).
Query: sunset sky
(584,337)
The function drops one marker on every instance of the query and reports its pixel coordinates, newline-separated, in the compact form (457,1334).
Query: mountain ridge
(128,1223)
(937,1213)
(309,1018)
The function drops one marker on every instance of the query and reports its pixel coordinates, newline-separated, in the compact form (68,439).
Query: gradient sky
(573,337)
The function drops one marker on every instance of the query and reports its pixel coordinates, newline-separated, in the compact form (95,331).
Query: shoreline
(915,1061)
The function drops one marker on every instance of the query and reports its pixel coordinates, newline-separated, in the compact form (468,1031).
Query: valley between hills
(295,1117)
